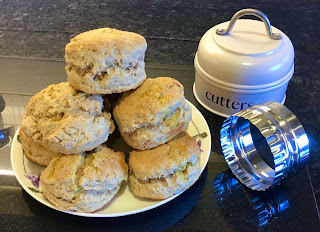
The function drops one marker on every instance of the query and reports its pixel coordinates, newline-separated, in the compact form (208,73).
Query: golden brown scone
(106,61)
(84,183)
(153,113)
(165,170)
(35,151)
(66,120)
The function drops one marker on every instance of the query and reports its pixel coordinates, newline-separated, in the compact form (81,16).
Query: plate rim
(97,215)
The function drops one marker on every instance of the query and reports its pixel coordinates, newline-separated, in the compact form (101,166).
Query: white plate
(124,203)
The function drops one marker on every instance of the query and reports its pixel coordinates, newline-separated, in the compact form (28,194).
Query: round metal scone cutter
(284,134)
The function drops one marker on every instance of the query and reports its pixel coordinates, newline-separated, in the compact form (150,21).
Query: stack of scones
(66,126)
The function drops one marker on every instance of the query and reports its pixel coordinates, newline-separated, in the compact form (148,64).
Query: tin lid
(247,53)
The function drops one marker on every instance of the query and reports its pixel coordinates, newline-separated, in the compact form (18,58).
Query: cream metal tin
(236,69)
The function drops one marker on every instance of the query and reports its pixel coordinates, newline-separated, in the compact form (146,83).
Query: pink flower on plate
(199,144)
(34,179)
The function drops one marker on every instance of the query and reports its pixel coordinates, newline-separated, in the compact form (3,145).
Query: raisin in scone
(65,120)
(152,114)
(105,61)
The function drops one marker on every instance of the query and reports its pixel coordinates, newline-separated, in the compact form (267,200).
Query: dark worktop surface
(217,201)
(33,35)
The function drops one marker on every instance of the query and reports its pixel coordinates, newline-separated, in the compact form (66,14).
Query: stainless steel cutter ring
(284,134)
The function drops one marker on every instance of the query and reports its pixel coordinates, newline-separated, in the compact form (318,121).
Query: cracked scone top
(106,61)
(66,120)
(168,169)
(153,113)
(84,183)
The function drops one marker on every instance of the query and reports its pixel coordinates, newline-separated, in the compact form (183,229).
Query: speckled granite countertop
(33,35)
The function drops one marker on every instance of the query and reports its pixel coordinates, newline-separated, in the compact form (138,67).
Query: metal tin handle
(254,12)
